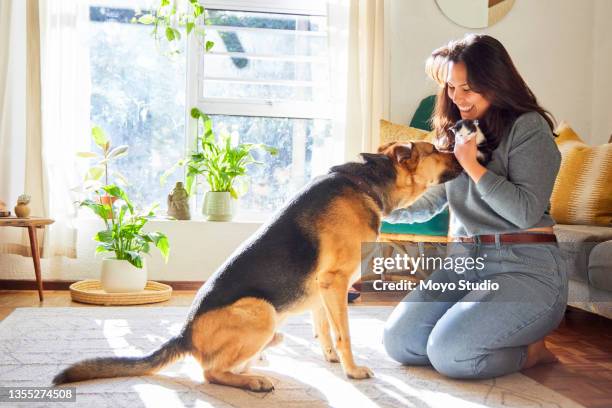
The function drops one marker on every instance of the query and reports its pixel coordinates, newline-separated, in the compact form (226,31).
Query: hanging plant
(171,17)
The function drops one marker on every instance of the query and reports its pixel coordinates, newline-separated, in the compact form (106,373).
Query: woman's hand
(466,156)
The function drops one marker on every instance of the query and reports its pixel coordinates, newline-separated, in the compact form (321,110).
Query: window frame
(263,108)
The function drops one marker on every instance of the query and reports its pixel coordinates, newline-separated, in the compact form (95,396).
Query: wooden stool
(31,224)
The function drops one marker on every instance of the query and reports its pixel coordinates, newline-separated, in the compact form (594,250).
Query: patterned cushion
(393,132)
(583,189)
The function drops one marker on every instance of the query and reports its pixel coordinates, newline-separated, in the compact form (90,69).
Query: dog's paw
(259,384)
(331,355)
(359,373)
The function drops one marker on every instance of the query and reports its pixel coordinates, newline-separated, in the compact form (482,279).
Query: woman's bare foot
(537,353)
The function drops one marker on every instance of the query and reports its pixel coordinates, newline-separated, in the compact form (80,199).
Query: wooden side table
(31,224)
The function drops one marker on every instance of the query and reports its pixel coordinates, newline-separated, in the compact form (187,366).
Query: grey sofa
(587,252)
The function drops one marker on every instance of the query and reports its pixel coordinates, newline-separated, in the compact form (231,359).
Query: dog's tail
(106,367)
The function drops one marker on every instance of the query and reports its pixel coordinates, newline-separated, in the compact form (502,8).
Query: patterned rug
(35,343)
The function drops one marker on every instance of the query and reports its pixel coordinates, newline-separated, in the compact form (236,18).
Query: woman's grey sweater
(514,193)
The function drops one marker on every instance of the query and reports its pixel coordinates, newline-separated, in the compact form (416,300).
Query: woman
(487,333)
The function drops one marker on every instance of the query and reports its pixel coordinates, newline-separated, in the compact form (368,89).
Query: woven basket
(90,291)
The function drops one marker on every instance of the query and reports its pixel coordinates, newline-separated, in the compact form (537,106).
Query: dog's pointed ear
(371,157)
(403,152)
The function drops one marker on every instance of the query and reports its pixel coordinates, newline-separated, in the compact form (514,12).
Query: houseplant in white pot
(221,163)
(124,237)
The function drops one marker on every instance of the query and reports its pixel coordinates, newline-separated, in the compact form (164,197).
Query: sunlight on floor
(153,395)
(296,367)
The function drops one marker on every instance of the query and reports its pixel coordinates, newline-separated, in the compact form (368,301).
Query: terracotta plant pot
(107,200)
(119,276)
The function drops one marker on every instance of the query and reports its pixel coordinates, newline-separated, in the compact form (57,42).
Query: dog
(462,132)
(305,258)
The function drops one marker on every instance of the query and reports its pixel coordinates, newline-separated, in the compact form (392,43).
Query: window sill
(240,218)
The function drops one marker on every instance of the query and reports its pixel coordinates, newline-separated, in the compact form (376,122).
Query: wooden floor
(583,344)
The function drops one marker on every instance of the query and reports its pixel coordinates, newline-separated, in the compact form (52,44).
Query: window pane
(304,151)
(278,68)
(232,89)
(227,18)
(279,57)
(138,98)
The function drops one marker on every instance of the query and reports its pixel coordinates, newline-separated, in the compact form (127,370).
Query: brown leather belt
(519,238)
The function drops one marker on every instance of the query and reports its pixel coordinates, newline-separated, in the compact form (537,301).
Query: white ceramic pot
(218,206)
(121,276)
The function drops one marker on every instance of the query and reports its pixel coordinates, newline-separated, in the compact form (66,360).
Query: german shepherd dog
(305,258)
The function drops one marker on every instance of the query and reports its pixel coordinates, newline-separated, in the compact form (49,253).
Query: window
(266,80)
(138,98)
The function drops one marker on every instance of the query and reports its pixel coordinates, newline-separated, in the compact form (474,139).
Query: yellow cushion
(583,189)
(392,132)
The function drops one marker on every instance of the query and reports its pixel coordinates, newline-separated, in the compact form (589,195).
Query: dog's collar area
(365,187)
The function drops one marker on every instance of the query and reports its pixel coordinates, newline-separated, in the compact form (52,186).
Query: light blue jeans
(482,334)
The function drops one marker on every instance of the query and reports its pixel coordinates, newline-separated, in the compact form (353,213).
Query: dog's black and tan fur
(304,259)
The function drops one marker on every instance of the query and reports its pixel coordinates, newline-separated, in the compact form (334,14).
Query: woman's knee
(470,360)
(407,347)
(451,356)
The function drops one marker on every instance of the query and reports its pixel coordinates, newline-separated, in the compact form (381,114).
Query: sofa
(581,204)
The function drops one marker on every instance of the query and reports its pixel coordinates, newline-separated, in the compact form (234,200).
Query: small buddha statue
(178,203)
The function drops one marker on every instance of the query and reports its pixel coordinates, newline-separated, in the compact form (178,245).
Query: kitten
(464,131)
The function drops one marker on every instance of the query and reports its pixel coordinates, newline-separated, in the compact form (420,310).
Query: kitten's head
(465,128)
(462,129)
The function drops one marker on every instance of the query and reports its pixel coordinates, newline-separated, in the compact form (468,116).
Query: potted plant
(221,163)
(124,237)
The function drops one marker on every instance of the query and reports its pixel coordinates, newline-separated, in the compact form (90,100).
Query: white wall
(601,118)
(562,48)
(197,248)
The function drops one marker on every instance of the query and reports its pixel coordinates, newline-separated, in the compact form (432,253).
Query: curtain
(39,158)
(12,118)
(65,121)
(359,72)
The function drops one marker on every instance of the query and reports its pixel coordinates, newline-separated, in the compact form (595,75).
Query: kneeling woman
(476,333)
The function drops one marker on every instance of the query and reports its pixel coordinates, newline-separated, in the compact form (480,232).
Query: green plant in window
(216,159)
(169,17)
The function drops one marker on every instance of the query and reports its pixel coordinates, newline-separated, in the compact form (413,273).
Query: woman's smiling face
(471,105)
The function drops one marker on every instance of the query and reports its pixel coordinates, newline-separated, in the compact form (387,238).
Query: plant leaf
(209,45)
(115,191)
(169,34)
(104,236)
(87,155)
(118,152)
(189,26)
(163,246)
(94,173)
(100,210)
(146,19)
(99,137)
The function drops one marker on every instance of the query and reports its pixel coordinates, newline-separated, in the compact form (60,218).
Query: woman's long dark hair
(490,72)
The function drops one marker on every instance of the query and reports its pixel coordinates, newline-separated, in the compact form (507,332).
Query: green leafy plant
(217,160)
(97,172)
(169,17)
(123,234)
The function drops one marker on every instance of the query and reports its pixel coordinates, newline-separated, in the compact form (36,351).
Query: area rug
(35,343)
